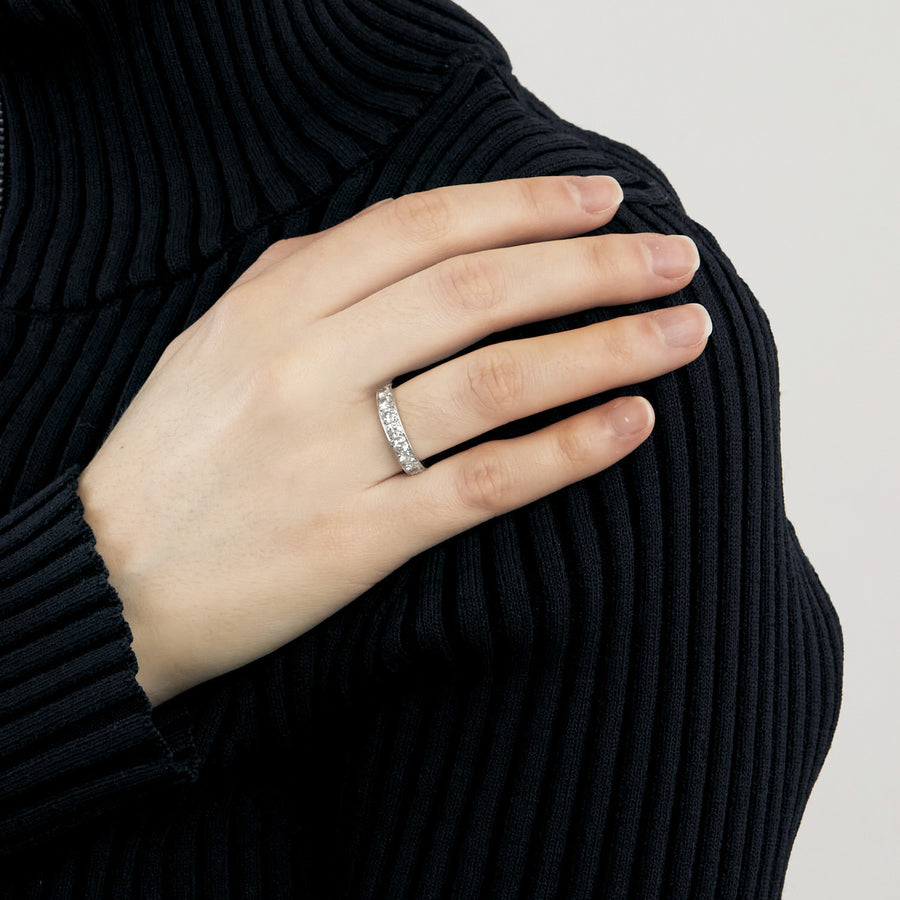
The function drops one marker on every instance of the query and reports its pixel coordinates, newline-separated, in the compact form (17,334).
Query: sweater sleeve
(78,735)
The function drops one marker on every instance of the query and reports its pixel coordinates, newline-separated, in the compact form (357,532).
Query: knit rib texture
(624,689)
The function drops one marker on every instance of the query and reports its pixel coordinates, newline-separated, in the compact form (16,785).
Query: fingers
(386,244)
(289,246)
(489,387)
(433,314)
(495,477)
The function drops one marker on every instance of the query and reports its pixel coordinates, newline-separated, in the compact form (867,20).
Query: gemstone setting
(393,429)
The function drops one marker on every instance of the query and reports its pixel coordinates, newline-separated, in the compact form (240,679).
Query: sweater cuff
(78,734)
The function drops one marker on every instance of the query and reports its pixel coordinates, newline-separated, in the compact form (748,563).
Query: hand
(248,491)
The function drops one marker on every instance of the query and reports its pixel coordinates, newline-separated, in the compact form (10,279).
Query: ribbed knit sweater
(624,689)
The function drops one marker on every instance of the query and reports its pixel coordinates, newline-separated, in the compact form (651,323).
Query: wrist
(156,671)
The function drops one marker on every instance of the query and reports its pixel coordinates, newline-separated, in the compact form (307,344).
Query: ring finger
(475,393)
(433,314)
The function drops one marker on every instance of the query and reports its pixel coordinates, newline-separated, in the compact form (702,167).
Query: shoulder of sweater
(588,149)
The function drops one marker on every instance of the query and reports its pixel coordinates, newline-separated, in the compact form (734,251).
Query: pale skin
(248,491)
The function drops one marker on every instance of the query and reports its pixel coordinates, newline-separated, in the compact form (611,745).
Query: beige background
(777,123)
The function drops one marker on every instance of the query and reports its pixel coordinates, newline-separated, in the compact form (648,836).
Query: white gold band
(393,428)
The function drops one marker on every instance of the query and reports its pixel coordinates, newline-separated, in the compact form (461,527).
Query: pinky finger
(498,476)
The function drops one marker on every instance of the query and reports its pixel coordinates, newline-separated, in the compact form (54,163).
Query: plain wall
(776,122)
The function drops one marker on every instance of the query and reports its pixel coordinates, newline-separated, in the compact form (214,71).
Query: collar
(144,137)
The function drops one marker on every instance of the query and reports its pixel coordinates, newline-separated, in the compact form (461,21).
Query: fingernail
(629,414)
(673,255)
(598,192)
(685,325)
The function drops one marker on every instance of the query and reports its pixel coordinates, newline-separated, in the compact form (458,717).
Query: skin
(248,492)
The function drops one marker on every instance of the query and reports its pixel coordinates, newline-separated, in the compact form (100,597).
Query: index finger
(395,239)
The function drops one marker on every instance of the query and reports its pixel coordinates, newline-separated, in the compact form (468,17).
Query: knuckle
(496,380)
(228,312)
(271,380)
(220,320)
(282,247)
(602,259)
(265,381)
(575,445)
(425,216)
(544,197)
(484,482)
(469,282)
(621,345)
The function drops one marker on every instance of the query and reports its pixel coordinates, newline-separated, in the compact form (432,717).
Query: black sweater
(626,688)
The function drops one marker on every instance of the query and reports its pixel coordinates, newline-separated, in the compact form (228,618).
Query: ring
(396,435)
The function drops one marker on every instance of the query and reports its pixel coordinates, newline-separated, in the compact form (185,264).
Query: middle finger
(432,314)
